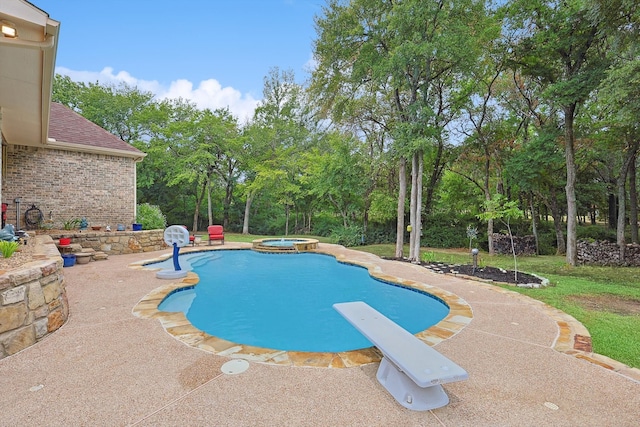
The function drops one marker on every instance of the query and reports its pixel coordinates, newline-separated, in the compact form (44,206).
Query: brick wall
(70,184)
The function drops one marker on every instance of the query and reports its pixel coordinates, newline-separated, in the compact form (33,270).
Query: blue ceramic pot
(69,260)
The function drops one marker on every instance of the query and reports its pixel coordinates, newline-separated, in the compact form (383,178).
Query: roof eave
(48,73)
(71,146)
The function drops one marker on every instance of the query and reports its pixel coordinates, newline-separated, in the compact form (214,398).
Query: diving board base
(407,392)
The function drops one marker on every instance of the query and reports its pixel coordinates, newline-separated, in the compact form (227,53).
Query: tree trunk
(196,212)
(487,197)
(402,195)
(534,222)
(622,210)
(209,203)
(612,209)
(570,188)
(557,221)
(228,196)
(412,206)
(622,197)
(286,221)
(247,210)
(633,201)
(434,178)
(418,219)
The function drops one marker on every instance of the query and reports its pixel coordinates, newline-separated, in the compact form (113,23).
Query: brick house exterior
(82,171)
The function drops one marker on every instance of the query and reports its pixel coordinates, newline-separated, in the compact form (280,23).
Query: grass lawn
(605,299)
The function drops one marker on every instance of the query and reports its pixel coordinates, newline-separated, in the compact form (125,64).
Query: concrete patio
(107,367)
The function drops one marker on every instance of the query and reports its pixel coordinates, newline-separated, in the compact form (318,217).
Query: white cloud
(311,65)
(209,93)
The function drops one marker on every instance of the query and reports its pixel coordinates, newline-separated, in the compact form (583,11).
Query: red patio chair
(216,232)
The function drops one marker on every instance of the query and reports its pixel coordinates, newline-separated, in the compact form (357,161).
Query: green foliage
(446,231)
(324,223)
(347,236)
(392,78)
(380,233)
(150,216)
(8,248)
(429,256)
(383,208)
(71,224)
(596,232)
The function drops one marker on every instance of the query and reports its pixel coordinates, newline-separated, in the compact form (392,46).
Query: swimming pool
(284,302)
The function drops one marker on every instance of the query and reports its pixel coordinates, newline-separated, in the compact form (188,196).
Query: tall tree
(278,133)
(337,174)
(406,55)
(562,46)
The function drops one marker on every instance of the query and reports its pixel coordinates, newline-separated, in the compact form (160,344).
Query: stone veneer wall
(69,184)
(607,254)
(525,245)
(33,301)
(117,242)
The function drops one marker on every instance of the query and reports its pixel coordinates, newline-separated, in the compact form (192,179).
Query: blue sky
(213,52)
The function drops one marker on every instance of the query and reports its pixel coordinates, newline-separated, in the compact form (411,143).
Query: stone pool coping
(177,325)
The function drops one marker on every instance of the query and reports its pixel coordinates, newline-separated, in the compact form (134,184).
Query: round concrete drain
(235,366)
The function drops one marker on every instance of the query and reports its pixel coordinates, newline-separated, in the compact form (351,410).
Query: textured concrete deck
(109,367)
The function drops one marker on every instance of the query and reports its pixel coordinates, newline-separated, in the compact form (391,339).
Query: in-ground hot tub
(285,244)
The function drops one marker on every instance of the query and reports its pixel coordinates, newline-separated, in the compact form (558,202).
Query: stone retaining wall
(525,245)
(33,301)
(607,254)
(117,242)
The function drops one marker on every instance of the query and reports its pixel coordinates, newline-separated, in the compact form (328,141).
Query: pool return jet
(176,236)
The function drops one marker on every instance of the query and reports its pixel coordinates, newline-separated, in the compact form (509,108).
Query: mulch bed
(484,272)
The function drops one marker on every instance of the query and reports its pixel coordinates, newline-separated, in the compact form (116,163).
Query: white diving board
(410,370)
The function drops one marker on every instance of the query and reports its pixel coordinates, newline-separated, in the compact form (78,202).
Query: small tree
(472,234)
(503,210)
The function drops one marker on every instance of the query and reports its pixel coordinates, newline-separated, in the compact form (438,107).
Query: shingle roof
(65,125)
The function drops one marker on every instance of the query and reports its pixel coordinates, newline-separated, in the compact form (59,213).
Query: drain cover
(235,366)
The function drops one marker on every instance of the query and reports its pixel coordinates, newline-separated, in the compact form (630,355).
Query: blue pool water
(284,302)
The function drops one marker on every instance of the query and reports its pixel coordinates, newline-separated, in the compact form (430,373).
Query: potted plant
(71,224)
(69,260)
(8,248)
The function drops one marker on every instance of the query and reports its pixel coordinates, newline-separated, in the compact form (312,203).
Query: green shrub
(596,232)
(347,236)
(446,231)
(322,224)
(150,216)
(8,248)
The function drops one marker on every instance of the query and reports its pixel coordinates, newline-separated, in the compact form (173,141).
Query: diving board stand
(410,370)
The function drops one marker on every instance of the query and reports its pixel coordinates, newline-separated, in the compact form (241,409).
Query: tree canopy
(416,112)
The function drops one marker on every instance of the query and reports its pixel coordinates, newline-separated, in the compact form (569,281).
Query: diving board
(410,370)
